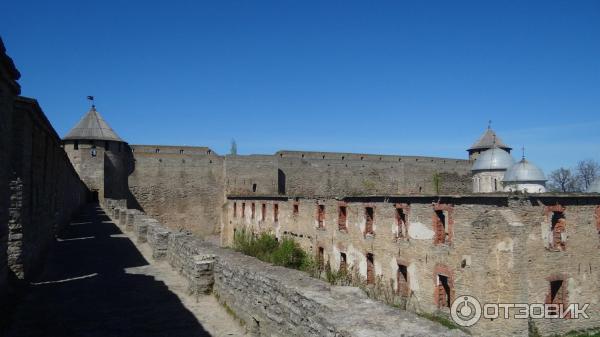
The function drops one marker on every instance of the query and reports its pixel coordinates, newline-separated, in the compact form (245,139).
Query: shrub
(265,247)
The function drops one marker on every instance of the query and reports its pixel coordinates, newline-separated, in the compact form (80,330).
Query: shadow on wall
(117,170)
(86,289)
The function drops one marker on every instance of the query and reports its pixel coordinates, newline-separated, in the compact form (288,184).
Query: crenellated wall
(495,247)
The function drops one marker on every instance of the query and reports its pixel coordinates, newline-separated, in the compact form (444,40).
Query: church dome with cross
(524,176)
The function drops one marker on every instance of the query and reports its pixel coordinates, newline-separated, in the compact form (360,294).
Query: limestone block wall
(275,301)
(9,89)
(254,174)
(45,189)
(185,187)
(338,174)
(493,247)
(181,187)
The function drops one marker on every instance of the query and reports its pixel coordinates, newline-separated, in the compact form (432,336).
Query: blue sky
(397,77)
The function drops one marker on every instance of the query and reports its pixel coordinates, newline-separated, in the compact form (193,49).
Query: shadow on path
(84,290)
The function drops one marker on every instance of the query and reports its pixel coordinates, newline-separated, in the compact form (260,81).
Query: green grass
(442,320)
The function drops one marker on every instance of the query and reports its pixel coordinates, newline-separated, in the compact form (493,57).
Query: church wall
(494,248)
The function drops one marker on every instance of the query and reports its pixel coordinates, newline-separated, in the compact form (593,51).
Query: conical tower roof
(92,127)
(488,140)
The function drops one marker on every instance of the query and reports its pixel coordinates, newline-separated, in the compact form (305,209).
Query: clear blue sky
(397,77)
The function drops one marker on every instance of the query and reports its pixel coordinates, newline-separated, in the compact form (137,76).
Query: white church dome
(524,171)
(493,159)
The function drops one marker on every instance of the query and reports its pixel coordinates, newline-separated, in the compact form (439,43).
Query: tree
(563,180)
(233,150)
(587,171)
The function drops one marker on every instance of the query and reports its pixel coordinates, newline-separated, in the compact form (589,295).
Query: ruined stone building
(432,228)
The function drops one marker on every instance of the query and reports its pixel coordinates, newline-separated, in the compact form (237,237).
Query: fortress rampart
(429,250)
(186,187)
(271,300)
(39,189)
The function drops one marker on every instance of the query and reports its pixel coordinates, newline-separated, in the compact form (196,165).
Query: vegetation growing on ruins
(266,247)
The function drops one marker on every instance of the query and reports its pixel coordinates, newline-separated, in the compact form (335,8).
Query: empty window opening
(275,212)
(263,212)
(243,209)
(557,293)
(343,263)
(401,223)
(121,147)
(181,151)
(370,269)
(76,145)
(558,228)
(369,215)
(252,210)
(403,286)
(107,145)
(234,209)
(439,227)
(280,182)
(296,209)
(342,218)
(321,258)
(253,187)
(443,291)
(321,215)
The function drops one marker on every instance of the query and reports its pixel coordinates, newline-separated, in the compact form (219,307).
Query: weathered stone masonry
(185,187)
(497,248)
(271,300)
(39,189)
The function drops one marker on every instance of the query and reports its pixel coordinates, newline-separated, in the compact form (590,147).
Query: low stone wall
(276,301)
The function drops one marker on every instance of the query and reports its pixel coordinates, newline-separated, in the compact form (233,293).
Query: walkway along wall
(430,250)
(271,300)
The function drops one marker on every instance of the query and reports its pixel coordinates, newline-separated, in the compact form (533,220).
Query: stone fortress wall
(270,300)
(187,186)
(433,249)
(39,188)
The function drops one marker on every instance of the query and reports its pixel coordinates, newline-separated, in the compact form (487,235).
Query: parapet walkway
(97,283)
